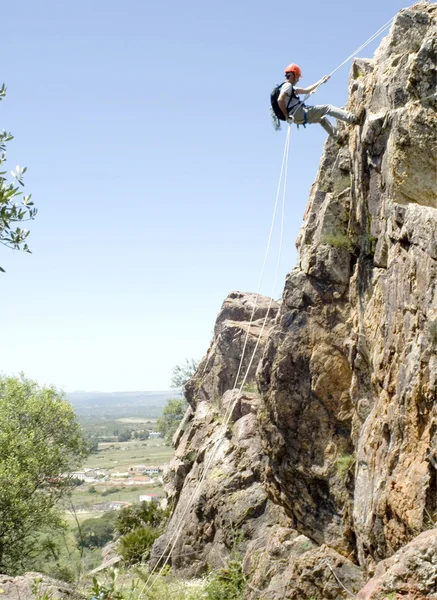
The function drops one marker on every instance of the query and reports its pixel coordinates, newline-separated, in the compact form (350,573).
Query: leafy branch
(13,211)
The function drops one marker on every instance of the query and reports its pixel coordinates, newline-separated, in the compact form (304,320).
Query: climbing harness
(171,544)
(275,110)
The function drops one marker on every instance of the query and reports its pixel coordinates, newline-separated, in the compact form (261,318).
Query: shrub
(338,240)
(113,490)
(227,583)
(134,547)
(139,515)
(344,463)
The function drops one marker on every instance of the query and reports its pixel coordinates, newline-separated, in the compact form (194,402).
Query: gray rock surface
(219,438)
(22,588)
(325,476)
(410,573)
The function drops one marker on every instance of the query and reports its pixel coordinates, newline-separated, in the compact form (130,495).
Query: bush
(227,583)
(113,490)
(134,547)
(140,515)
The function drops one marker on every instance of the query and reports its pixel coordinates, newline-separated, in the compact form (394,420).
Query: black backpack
(274,101)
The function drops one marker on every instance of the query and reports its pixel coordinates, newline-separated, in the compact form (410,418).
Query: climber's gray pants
(317,114)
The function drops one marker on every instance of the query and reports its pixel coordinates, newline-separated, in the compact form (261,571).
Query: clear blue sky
(151,158)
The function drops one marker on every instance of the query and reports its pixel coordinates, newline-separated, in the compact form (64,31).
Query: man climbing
(295,111)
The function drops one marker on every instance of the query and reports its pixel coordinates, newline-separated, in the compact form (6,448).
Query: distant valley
(115,405)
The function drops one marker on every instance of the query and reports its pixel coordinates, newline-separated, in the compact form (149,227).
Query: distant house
(137,468)
(155,434)
(153,470)
(150,498)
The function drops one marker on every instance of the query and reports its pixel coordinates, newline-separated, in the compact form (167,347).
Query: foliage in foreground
(139,515)
(39,440)
(135,546)
(227,583)
(139,525)
(13,212)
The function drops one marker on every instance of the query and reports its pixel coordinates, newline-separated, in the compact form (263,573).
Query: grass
(83,500)
(81,517)
(344,463)
(338,240)
(227,583)
(119,456)
(138,420)
(250,387)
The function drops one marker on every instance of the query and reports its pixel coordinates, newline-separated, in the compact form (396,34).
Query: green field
(82,499)
(138,420)
(119,456)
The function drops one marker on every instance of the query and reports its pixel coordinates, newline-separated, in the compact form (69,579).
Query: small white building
(153,470)
(150,498)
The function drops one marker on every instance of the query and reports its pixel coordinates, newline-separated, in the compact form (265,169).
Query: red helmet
(293,69)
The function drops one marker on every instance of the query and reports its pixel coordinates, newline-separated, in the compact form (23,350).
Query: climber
(295,111)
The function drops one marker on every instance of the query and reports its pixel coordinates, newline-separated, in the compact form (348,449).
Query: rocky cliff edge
(325,477)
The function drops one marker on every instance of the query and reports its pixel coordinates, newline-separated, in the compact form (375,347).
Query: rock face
(333,468)
(410,573)
(219,437)
(34,585)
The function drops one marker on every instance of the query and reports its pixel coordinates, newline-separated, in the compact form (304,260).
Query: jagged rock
(347,415)
(232,506)
(294,567)
(348,376)
(23,587)
(410,573)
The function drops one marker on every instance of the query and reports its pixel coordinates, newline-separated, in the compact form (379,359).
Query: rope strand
(175,536)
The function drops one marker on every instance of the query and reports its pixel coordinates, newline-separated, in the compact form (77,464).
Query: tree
(95,533)
(125,436)
(40,440)
(93,444)
(182,373)
(12,212)
(172,415)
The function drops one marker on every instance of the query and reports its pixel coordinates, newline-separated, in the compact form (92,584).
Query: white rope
(366,43)
(354,53)
(175,536)
(284,158)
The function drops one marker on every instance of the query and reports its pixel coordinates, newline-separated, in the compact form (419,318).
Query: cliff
(324,478)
